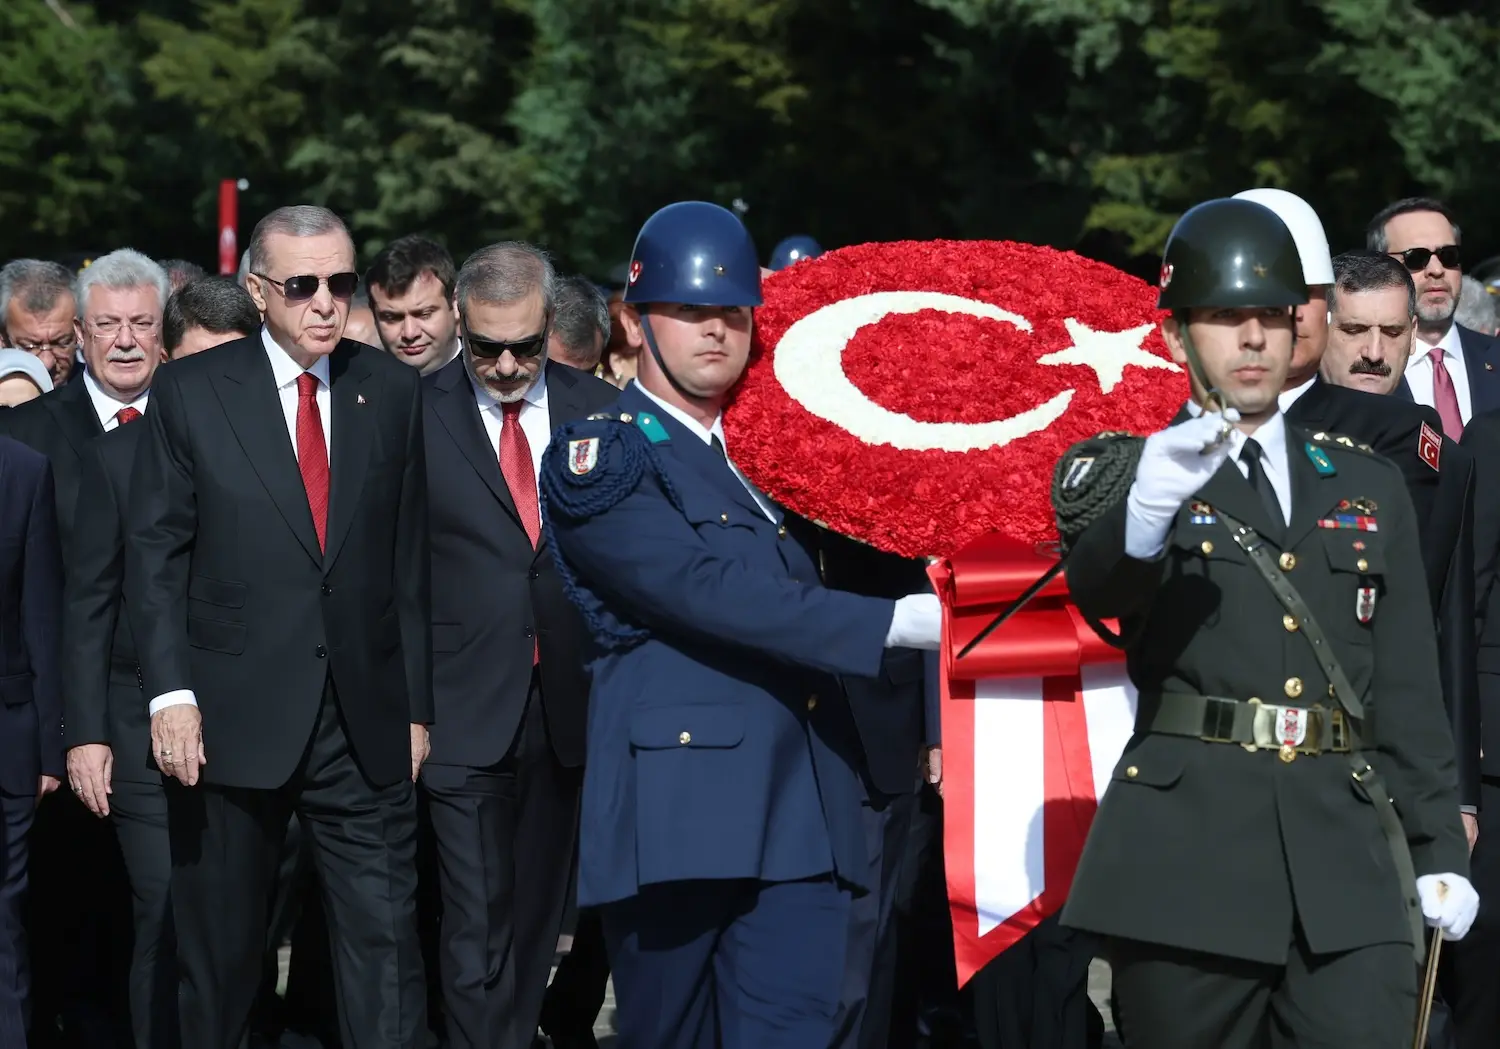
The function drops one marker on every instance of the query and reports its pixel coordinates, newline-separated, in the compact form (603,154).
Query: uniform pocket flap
(216,592)
(1153,771)
(659,728)
(15,691)
(1343,556)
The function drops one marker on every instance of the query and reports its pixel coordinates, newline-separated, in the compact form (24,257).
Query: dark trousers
(728,964)
(1471,967)
(505,841)
(1173,999)
(226,848)
(1035,995)
(865,1002)
(139,814)
(578,988)
(15,977)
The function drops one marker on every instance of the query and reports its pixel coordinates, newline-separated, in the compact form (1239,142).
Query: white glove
(917,623)
(1449,903)
(1173,466)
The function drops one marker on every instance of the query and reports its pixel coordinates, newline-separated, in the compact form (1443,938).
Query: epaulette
(1343,441)
(647,423)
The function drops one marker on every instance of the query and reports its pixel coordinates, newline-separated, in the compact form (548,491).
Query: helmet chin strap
(660,362)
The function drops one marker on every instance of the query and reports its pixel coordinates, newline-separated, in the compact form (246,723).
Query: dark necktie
(1251,456)
(312,454)
(719,447)
(127,415)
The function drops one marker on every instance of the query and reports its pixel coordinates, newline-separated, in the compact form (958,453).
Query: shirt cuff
(1469,810)
(171,699)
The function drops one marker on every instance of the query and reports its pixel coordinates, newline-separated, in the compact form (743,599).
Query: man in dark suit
(1453,369)
(31,750)
(75,909)
(38,312)
(278,590)
(108,732)
(510,691)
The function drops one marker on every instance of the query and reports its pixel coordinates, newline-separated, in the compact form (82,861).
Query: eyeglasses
(300,289)
(110,329)
(1416,259)
(58,347)
(489,349)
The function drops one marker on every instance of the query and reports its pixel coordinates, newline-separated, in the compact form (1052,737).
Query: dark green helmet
(1230,252)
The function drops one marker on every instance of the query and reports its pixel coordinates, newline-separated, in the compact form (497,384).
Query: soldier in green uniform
(1285,815)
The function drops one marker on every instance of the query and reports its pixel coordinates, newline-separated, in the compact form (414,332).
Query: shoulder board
(647,423)
(1340,440)
(591,465)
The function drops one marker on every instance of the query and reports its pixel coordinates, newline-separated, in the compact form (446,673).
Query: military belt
(1251,724)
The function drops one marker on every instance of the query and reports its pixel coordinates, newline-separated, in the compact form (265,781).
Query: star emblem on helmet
(1260,271)
(718,271)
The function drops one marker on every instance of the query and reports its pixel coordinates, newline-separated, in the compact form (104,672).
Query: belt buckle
(1286,730)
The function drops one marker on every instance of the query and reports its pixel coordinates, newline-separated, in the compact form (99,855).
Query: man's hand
(177,742)
(1471,828)
(46,785)
(935,769)
(420,747)
(90,770)
(1449,903)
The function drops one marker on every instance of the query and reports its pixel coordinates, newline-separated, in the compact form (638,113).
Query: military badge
(1202,514)
(1320,460)
(583,455)
(1078,469)
(1364,506)
(1364,604)
(1357,522)
(1429,446)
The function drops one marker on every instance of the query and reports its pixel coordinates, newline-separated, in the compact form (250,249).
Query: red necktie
(312,453)
(1445,397)
(127,415)
(520,478)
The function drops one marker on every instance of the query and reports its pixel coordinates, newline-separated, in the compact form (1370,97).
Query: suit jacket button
(812,703)
(529,632)
(533,574)
(321,652)
(685,738)
(327,589)
(1288,561)
(1293,687)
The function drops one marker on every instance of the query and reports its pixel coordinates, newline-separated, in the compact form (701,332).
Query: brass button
(685,738)
(1332,692)
(1207,547)
(724,518)
(1132,772)
(1362,565)
(1288,561)
(1290,622)
(625,417)
(812,703)
(1294,687)
(781,532)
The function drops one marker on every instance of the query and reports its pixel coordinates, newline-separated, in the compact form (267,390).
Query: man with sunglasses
(1452,368)
(277,586)
(510,691)
(721,830)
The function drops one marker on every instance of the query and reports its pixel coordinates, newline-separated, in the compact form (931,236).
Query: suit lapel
(457,410)
(1227,490)
(73,410)
(688,447)
(1480,359)
(247,390)
(352,435)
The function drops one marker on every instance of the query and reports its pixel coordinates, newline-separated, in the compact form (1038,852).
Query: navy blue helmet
(794,249)
(694,253)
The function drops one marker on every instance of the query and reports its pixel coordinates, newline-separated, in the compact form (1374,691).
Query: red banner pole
(229,221)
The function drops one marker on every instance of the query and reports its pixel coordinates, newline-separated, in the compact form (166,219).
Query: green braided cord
(1095,487)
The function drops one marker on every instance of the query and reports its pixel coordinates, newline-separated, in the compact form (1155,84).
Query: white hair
(297,220)
(1478,310)
(124,268)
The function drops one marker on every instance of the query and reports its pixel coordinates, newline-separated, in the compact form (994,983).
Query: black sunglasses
(300,289)
(489,349)
(1416,259)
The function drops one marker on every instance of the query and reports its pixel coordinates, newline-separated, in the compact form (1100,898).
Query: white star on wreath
(1107,352)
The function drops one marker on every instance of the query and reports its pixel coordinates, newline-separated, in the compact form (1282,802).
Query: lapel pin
(359,398)
(1488,366)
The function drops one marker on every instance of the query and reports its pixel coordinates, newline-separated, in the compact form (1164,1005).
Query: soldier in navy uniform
(721,834)
(1253,883)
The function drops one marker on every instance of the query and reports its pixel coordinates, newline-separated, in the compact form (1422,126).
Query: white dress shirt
(285,372)
(1286,398)
(106,407)
(1419,372)
(536,420)
(915,620)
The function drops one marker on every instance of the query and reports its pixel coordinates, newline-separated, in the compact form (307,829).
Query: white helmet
(1306,227)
